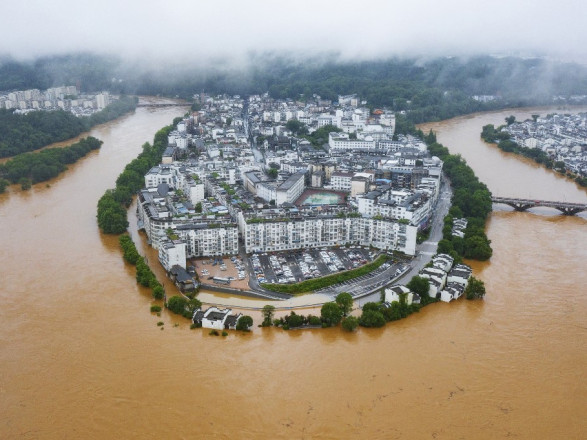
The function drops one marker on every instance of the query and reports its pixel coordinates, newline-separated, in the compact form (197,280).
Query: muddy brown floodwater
(82,357)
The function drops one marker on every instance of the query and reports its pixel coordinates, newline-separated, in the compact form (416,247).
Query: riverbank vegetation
(471,199)
(475,289)
(493,135)
(319,283)
(144,274)
(46,164)
(180,305)
(112,206)
(20,133)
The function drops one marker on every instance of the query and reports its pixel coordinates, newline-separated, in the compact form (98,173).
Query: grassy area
(319,283)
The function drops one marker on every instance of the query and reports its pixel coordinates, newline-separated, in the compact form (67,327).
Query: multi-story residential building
(342,142)
(278,230)
(172,253)
(414,207)
(203,235)
(290,190)
(341,180)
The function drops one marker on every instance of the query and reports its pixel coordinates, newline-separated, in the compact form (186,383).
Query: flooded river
(82,357)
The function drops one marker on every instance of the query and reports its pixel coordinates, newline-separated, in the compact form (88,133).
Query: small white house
(460,274)
(443,262)
(452,291)
(436,277)
(215,318)
(394,293)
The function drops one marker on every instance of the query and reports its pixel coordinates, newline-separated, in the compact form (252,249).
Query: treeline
(29,168)
(113,204)
(21,133)
(430,89)
(144,275)
(471,199)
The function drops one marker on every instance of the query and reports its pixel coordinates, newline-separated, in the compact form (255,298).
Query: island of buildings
(237,179)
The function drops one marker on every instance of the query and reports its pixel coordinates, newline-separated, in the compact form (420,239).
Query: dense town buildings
(237,177)
(562,137)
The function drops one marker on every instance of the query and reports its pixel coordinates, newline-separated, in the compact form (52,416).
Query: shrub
(371,306)
(371,318)
(160,323)
(155,308)
(350,323)
(158,292)
(294,320)
(213,332)
(224,333)
(244,323)
(331,314)
(314,320)
(177,304)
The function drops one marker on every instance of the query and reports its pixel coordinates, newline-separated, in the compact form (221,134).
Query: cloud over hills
(158,30)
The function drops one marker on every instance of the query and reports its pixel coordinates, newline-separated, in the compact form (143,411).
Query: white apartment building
(341,180)
(416,209)
(208,239)
(290,190)
(341,142)
(171,253)
(288,232)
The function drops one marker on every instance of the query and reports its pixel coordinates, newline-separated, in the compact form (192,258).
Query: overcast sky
(197,28)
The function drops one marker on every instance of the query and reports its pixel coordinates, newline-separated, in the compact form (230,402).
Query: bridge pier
(570,211)
(521,207)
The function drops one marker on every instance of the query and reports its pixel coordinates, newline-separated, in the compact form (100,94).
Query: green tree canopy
(268,312)
(331,314)
(350,323)
(345,302)
(244,323)
(419,285)
(475,289)
(177,304)
(372,318)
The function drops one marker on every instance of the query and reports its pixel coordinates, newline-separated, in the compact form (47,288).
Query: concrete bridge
(170,104)
(524,204)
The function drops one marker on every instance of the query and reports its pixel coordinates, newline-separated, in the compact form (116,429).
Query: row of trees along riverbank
(493,135)
(471,199)
(112,206)
(29,168)
(374,314)
(112,219)
(20,133)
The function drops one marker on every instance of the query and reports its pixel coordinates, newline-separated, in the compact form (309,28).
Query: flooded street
(82,357)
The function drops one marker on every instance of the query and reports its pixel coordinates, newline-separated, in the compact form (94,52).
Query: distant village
(65,98)
(562,137)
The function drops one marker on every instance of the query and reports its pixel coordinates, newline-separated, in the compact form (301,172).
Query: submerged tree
(475,289)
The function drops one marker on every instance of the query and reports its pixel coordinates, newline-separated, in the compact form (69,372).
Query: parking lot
(301,265)
(231,269)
